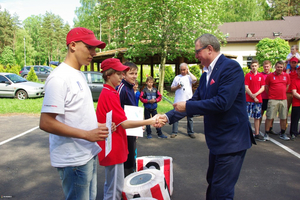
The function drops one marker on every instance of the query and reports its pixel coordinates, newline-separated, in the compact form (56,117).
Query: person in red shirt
(254,86)
(109,100)
(267,65)
(293,75)
(295,87)
(277,84)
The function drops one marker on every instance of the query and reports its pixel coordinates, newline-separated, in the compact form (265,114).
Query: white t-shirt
(185,92)
(68,95)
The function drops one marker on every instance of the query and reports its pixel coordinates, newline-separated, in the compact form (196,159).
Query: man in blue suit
(220,97)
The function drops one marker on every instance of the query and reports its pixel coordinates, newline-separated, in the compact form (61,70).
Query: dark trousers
(148,113)
(222,175)
(295,116)
(129,165)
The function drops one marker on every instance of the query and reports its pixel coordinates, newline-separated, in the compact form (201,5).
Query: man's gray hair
(209,39)
(183,64)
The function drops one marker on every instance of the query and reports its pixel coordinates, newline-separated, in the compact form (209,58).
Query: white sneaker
(266,137)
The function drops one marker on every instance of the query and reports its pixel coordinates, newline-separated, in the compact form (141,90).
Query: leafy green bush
(2,69)
(169,74)
(32,76)
(13,69)
(195,70)
(272,49)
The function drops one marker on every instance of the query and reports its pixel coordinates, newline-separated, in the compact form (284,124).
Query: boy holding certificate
(109,100)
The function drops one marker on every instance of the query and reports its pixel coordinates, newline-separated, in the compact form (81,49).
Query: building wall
(244,50)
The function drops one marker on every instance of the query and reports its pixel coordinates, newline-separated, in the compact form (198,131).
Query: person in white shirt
(68,114)
(182,85)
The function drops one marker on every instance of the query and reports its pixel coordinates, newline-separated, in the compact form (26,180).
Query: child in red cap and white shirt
(109,100)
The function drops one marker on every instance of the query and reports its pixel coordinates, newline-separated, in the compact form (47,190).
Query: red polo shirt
(277,85)
(293,75)
(109,100)
(295,85)
(254,83)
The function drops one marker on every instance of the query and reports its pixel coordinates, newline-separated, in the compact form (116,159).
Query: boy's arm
(142,97)
(50,124)
(158,96)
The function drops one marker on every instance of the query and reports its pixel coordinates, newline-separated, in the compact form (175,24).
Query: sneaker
(259,138)
(266,137)
(173,135)
(293,136)
(192,136)
(162,136)
(149,136)
(284,137)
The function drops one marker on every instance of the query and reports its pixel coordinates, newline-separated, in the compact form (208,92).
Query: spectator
(68,114)
(254,86)
(136,92)
(267,65)
(150,96)
(293,75)
(295,87)
(127,97)
(277,84)
(182,85)
(293,54)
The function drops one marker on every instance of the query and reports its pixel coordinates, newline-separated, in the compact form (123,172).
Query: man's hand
(161,120)
(97,134)
(180,106)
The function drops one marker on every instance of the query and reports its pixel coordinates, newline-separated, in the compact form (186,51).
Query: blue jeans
(80,182)
(190,129)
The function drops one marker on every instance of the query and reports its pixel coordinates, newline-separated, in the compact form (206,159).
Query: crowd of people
(274,92)
(80,137)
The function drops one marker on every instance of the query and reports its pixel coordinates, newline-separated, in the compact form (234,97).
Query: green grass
(14,106)
(33,106)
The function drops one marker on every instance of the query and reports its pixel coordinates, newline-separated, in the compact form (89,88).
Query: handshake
(159,120)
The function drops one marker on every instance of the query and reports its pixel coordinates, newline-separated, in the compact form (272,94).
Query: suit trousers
(222,175)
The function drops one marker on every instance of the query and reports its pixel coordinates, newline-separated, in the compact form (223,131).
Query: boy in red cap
(68,115)
(109,100)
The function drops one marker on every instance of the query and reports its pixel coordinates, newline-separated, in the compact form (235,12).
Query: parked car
(41,71)
(95,82)
(13,85)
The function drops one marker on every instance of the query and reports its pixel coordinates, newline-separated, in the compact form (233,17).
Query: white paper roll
(162,163)
(146,183)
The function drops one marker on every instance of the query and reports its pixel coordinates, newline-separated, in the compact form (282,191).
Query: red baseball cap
(85,35)
(113,63)
(294,59)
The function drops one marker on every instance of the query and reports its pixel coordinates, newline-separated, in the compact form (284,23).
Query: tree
(7,28)
(281,8)
(243,10)
(29,49)
(167,28)
(32,75)
(272,49)
(53,36)
(7,56)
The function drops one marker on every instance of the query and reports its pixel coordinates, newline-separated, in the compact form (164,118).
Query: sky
(25,8)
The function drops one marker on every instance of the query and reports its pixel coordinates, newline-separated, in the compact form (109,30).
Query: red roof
(288,28)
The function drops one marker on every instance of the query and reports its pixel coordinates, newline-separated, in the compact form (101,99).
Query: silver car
(12,85)
(95,82)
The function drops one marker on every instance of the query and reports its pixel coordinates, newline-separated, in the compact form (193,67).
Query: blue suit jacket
(223,104)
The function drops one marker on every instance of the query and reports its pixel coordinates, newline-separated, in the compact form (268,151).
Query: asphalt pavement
(271,169)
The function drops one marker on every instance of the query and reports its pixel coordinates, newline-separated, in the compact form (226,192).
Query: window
(97,78)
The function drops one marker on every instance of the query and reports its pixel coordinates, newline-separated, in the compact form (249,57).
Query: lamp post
(24,53)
